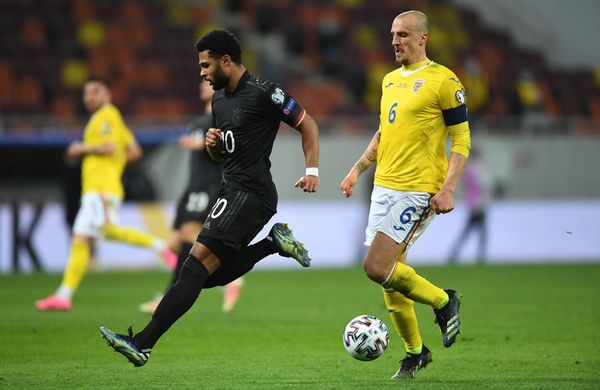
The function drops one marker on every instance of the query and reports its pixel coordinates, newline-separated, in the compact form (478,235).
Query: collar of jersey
(241,83)
(407,70)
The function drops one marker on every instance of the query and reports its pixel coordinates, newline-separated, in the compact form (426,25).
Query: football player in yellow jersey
(106,148)
(422,103)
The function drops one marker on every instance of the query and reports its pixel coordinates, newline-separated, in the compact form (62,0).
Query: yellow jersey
(103,173)
(420,105)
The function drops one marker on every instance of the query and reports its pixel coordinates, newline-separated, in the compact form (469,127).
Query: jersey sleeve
(122,129)
(453,103)
(282,106)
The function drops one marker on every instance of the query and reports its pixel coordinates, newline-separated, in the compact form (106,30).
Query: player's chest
(239,114)
(98,130)
(409,95)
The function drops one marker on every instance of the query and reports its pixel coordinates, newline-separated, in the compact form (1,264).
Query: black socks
(178,300)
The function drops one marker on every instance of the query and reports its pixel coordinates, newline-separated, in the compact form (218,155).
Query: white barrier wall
(519,232)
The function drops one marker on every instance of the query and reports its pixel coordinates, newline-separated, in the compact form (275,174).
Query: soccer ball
(366,337)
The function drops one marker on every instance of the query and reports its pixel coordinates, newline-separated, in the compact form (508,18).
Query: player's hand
(190,142)
(308,183)
(75,149)
(442,202)
(213,137)
(347,185)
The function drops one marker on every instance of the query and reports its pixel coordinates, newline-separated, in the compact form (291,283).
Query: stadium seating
(330,53)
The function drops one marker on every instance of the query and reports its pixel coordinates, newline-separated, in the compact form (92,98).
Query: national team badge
(417,84)
(461,96)
(278,96)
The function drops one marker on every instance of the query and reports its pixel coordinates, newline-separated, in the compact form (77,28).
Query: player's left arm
(443,201)
(281,105)
(310,146)
(453,103)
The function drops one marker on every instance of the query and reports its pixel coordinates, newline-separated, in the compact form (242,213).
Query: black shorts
(234,220)
(194,205)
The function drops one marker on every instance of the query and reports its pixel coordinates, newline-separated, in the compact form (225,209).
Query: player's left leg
(90,217)
(252,254)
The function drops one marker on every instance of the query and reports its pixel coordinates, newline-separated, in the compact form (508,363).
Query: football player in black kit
(247,112)
(195,203)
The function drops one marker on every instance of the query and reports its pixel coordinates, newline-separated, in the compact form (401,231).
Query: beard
(220,80)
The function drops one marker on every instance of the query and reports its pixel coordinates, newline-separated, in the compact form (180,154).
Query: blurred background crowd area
(331,55)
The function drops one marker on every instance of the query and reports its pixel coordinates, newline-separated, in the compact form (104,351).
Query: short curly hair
(220,43)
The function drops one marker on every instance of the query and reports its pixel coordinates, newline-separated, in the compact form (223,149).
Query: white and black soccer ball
(366,337)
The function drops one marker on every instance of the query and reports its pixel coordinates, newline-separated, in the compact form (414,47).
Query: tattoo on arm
(369,156)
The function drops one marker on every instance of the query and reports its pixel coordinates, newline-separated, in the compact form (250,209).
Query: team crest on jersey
(461,96)
(105,128)
(278,96)
(417,84)
(238,116)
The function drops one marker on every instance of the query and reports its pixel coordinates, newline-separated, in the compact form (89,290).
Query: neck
(417,59)
(236,75)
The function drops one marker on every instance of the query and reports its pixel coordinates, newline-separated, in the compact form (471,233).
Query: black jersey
(204,172)
(249,119)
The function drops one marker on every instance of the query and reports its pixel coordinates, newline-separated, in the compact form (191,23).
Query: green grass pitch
(525,327)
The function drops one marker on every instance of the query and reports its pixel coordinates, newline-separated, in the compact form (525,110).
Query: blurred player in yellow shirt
(422,103)
(108,145)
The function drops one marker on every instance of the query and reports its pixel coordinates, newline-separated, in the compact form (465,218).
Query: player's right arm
(213,142)
(133,151)
(368,158)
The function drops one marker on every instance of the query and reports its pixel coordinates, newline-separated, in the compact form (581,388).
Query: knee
(374,272)
(108,231)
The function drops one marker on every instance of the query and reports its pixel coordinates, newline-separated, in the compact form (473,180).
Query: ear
(226,60)
(423,39)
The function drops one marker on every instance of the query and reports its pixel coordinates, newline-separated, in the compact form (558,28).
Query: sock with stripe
(79,259)
(404,318)
(176,302)
(405,280)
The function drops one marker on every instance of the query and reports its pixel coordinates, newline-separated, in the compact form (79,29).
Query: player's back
(102,173)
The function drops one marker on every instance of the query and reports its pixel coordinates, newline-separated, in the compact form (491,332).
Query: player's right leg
(112,231)
(404,318)
(179,299)
(231,294)
(131,236)
(183,237)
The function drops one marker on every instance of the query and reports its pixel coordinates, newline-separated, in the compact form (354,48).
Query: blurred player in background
(476,193)
(247,112)
(108,145)
(194,205)
(422,102)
